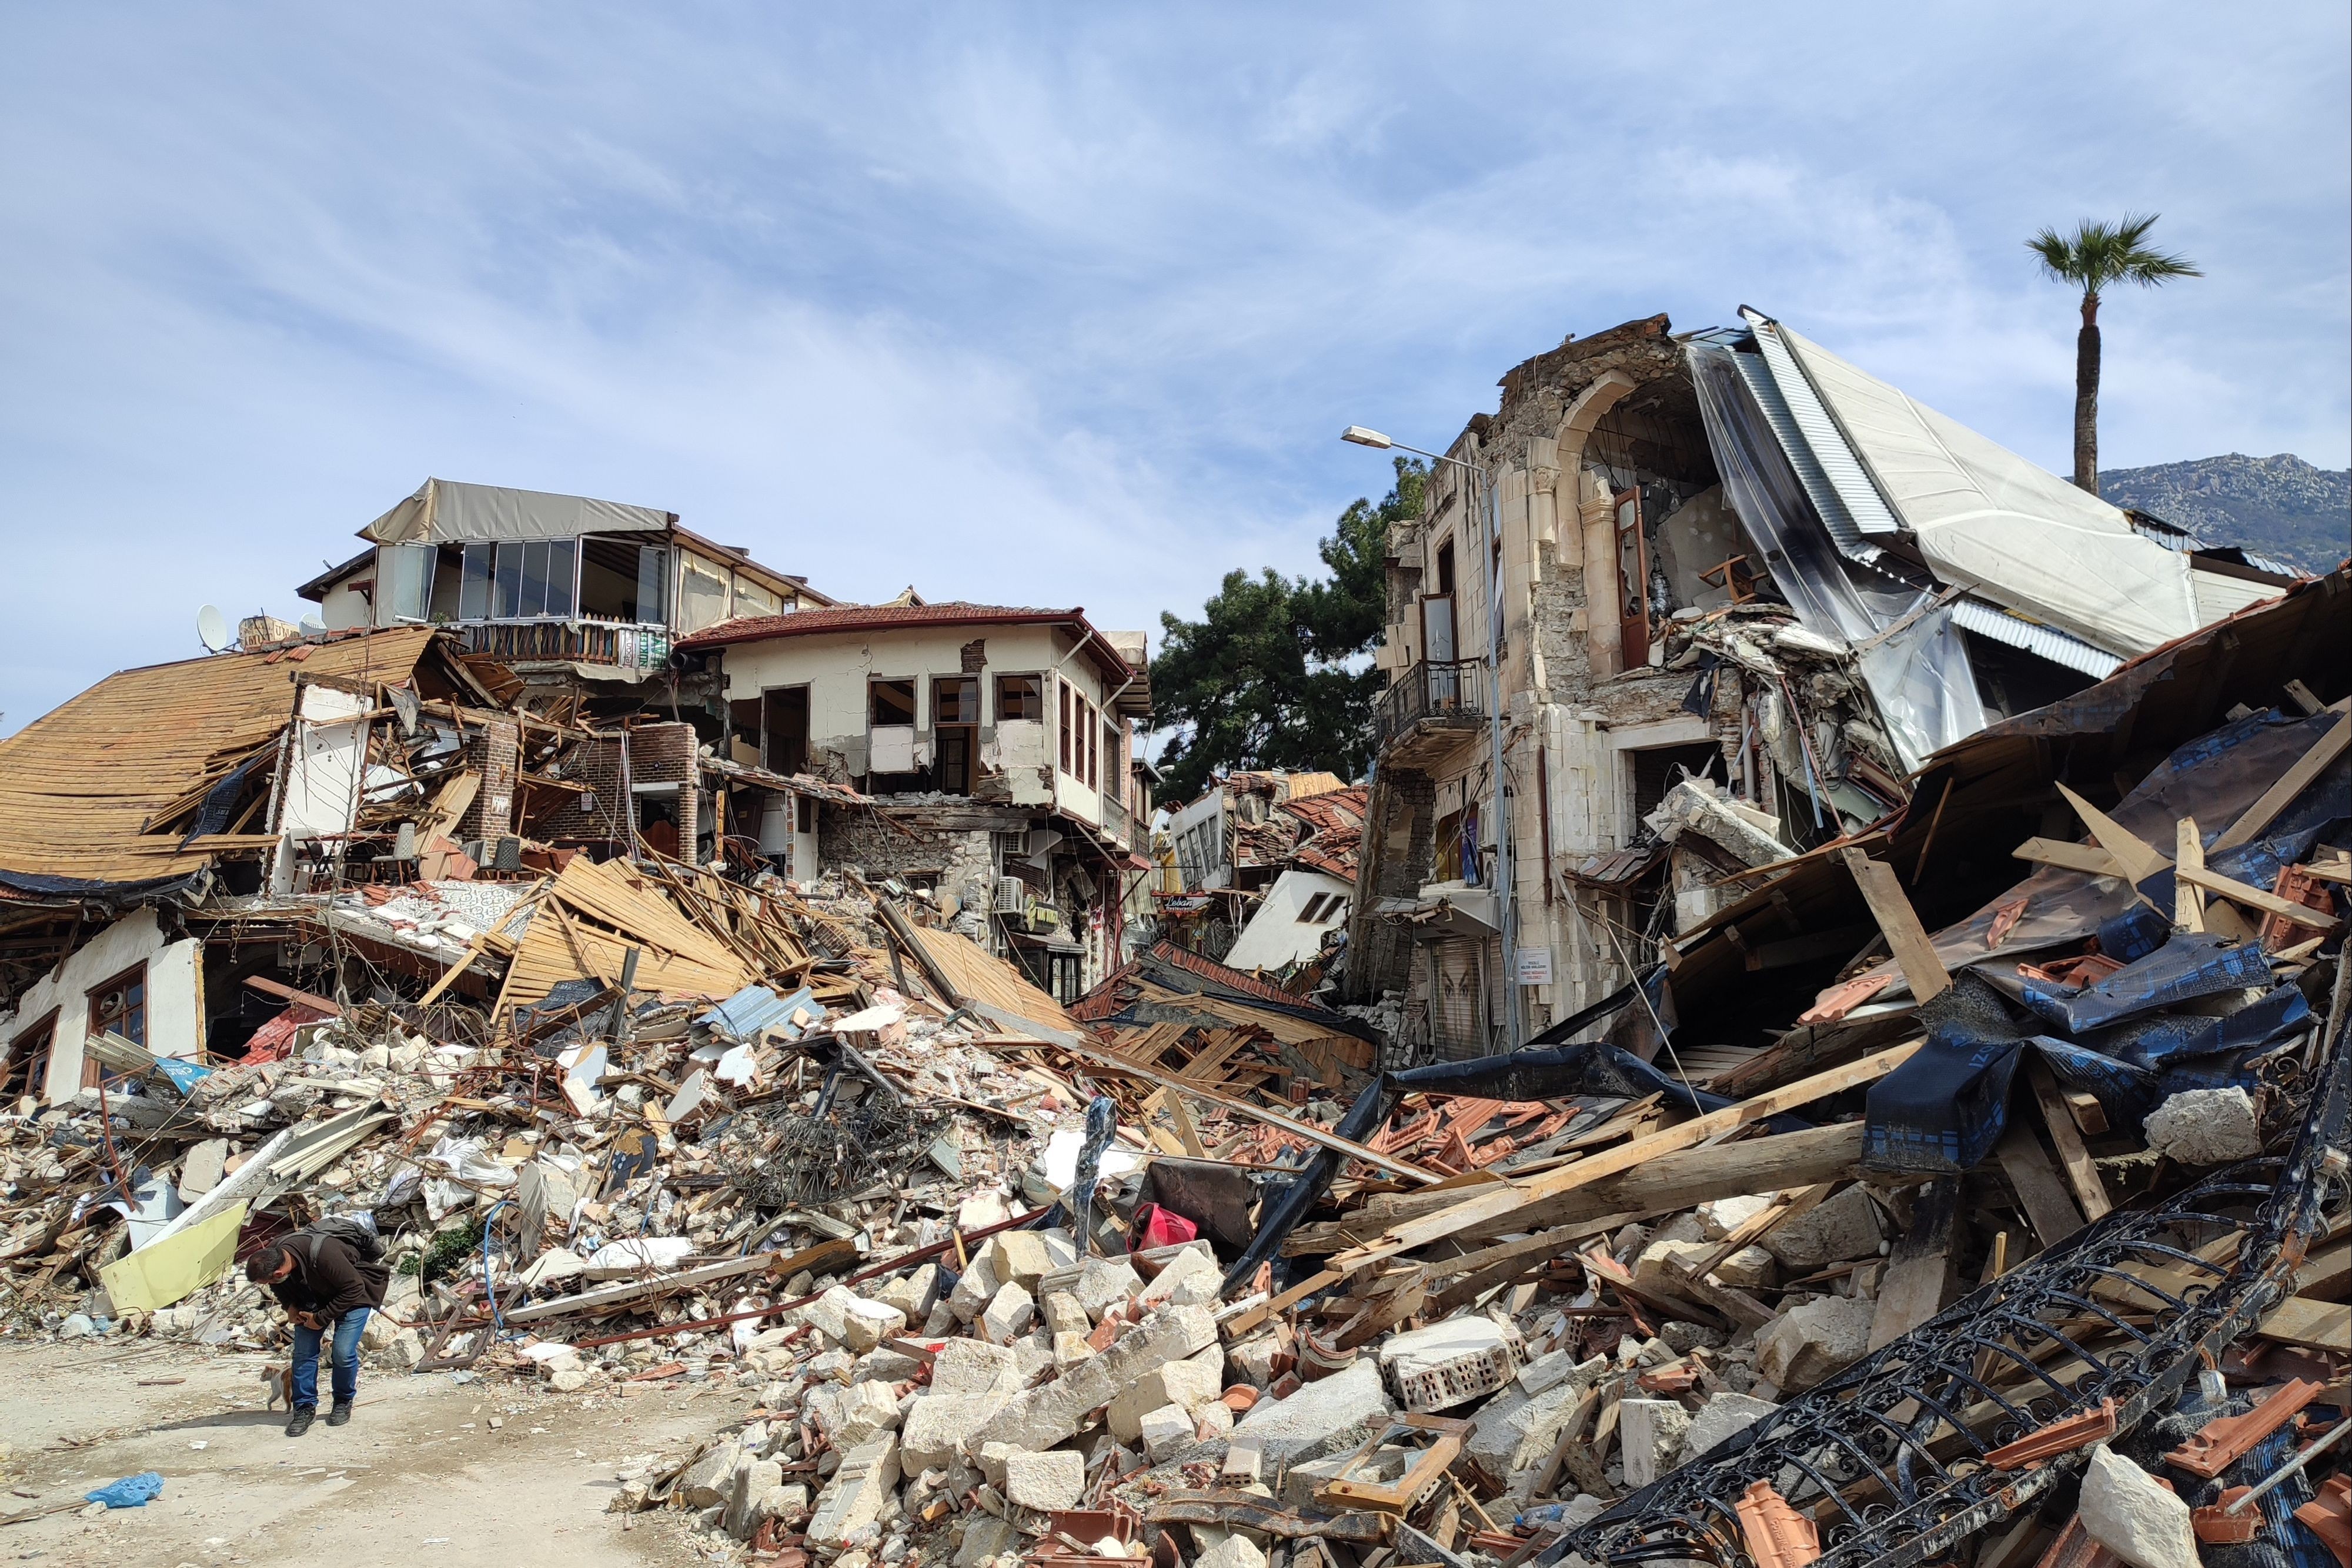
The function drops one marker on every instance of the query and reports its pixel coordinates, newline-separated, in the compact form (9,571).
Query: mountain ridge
(2280,505)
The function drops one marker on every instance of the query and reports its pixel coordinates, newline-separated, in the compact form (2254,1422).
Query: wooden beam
(2088,858)
(1242,1325)
(2073,1159)
(2255,898)
(1921,1273)
(1504,1199)
(1758,1225)
(2187,855)
(2291,783)
(2039,1188)
(1905,937)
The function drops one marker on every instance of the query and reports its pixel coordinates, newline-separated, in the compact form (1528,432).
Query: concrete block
(1320,1418)
(1844,1227)
(866,1324)
(1808,1342)
(2205,1127)
(1651,1432)
(1723,1417)
(1042,1482)
(1458,1359)
(855,1495)
(1008,1314)
(2124,1510)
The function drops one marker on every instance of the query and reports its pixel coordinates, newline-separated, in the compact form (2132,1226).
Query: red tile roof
(891,617)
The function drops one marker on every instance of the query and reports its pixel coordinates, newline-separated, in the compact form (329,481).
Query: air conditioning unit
(1043,917)
(1011,896)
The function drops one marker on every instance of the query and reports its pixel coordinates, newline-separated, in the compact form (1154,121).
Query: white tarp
(447,512)
(1988,519)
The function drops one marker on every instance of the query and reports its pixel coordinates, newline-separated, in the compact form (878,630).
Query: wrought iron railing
(1455,689)
(583,641)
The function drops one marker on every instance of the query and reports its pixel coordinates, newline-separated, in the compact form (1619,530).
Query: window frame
(1064,727)
(35,1065)
(1036,680)
(914,685)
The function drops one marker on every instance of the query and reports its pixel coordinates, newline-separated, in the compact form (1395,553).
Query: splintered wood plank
(2089,858)
(2255,898)
(2138,859)
(2073,1159)
(1905,937)
(1921,1272)
(2039,1186)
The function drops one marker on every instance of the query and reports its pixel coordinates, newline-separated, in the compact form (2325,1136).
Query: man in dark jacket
(325,1288)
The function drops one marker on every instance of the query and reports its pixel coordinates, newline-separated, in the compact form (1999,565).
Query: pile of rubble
(2022,1240)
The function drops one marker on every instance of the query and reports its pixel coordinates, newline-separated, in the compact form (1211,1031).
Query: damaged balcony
(1430,709)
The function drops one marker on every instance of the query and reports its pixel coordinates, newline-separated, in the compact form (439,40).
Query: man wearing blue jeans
(326,1289)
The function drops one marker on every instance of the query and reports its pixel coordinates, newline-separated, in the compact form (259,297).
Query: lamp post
(1505,891)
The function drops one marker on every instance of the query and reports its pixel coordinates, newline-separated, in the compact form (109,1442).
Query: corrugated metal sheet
(1840,471)
(2058,647)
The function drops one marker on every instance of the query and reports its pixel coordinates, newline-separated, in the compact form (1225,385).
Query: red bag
(1158,1226)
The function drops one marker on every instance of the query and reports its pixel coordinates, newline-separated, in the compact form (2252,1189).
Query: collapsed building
(1708,599)
(1259,870)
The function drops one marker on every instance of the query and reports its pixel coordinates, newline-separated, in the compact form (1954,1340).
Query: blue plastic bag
(131,1491)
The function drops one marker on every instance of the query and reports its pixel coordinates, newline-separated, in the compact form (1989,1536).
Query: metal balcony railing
(1118,823)
(1450,692)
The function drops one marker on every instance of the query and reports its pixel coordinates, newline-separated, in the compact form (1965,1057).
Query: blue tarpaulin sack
(1943,1109)
(2193,964)
(131,1491)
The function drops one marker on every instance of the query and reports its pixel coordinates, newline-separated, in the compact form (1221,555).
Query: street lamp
(1505,891)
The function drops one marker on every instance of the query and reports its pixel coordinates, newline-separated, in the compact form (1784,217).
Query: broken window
(476,580)
(1633,581)
(701,596)
(785,729)
(955,730)
(404,583)
(117,1006)
(889,703)
(1020,697)
(1319,908)
(622,581)
(28,1069)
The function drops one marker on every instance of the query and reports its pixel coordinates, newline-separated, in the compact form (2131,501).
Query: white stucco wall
(1275,935)
(836,669)
(174,998)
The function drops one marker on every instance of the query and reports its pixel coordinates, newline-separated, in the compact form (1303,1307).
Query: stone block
(861,1412)
(1723,1417)
(1043,1483)
(973,1288)
(1051,1414)
(1750,1268)
(1720,1217)
(1070,1349)
(1188,1383)
(1236,1551)
(974,1366)
(907,1292)
(857,1493)
(2205,1127)
(866,1324)
(885,1365)
(986,1537)
(828,1313)
(935,1426)
(1097,1283)
(1008,1314)
(1194,1263)
(1251,1360)
(1837,1230)
(1019,1258)
(710,1478)
(1063,1315)
(1166,1433)
(1651,1433)
(1808,1342)
(751,1482)
(2124,1510)
(1321,1418)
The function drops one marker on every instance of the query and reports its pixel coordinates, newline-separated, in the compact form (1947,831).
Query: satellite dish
(212,629)
(312,626)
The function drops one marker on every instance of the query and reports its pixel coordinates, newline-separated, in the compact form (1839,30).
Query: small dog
(279,1382)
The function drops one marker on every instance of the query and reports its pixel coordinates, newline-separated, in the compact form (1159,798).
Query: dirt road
(421,1475)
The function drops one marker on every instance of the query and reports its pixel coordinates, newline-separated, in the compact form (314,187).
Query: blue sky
(1058,304)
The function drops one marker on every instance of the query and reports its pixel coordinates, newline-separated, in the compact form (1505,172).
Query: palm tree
(2094,256)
